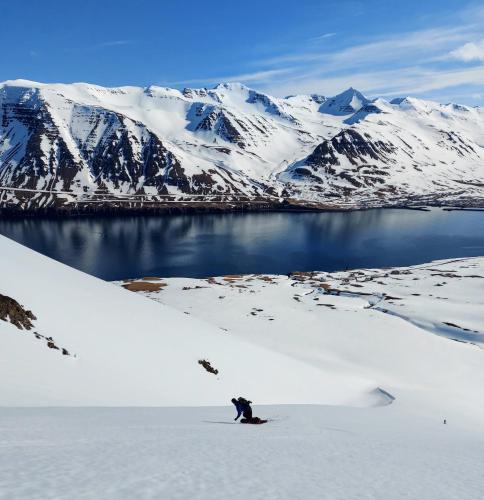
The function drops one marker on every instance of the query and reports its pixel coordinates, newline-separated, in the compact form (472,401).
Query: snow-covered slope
(396,353)
(64,143)
(122,349)
(365,338)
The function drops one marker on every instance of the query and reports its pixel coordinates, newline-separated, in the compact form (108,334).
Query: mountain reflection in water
(276,243)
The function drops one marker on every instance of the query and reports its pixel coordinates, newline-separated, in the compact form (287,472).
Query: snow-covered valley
(82,147)
(356,371)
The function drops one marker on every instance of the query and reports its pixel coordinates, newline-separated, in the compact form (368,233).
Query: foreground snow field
(307,452)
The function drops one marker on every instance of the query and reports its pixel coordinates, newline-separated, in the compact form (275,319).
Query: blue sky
(427,48)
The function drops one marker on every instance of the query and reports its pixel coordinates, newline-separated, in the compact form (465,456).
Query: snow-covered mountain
(62,144)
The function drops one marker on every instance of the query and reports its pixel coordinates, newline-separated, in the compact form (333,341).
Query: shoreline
(189,208)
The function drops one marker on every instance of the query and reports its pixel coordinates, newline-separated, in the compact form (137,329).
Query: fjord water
(114,248)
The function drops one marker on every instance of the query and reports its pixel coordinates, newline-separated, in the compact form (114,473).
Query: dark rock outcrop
(12,312)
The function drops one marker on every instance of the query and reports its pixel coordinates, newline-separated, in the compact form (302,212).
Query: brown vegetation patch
(143,286)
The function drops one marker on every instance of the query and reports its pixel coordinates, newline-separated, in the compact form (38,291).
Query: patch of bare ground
(13,312)
(302,275)
(151,278)
(143,286)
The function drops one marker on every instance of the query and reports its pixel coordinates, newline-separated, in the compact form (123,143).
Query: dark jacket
(243,407)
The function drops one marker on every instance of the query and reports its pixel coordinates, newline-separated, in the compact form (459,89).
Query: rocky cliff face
(76,142)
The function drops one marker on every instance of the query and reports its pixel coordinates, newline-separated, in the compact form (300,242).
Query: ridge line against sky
(432,49)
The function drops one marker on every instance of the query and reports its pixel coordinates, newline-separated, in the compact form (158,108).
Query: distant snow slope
(79,139)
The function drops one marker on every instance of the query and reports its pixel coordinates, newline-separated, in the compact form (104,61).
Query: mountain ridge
(88,141)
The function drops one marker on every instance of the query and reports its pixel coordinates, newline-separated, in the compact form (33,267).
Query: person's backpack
(244,401)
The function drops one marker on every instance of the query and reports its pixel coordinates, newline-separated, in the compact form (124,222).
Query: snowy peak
(346,103)
(232,87)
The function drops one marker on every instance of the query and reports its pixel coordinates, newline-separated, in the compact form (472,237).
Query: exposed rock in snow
(13,312)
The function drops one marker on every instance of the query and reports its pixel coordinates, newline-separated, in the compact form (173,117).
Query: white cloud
(422,44)
(324,36)
(257,76)
(471,51)
(99,46)
(417,62)
(113,43)
(404,81)
(407,63)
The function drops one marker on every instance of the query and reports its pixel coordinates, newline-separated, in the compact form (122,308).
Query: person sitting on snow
(242,406)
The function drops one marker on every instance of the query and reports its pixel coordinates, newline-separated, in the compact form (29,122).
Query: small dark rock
(206,364)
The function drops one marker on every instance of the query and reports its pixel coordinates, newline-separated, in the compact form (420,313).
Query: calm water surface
(211,245)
